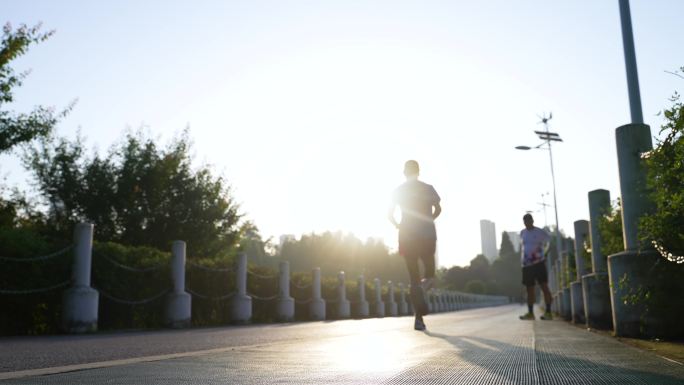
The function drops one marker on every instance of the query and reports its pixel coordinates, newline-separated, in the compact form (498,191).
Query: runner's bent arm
(390,215)
(437,210)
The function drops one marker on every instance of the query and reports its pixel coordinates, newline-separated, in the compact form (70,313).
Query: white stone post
(379,305)
(241,304)
(391,303)
(597,308)
(79,302)
(317,307)
(631,269)
(343,305)
(363,309)
(567,294)
(403,306)
(178,302)
(286,304)
(577,296)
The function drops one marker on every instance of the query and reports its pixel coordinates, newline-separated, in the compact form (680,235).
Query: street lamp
(547,138)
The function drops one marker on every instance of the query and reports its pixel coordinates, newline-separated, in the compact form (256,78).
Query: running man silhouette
(535,243)
(419,204)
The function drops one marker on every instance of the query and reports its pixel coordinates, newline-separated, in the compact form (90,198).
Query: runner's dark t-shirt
(416,200)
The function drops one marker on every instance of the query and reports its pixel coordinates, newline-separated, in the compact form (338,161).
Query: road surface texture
(478,346)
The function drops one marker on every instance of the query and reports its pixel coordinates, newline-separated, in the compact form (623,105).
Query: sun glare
(366,352)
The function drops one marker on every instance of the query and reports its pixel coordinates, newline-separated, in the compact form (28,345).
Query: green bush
(117,284)
(31,313)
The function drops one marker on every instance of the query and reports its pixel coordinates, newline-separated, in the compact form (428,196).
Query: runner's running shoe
(427,283)
(547,316)
(419,325)
(527,316)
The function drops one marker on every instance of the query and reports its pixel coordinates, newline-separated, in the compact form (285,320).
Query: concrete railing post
(343,305)
(393,309)
(552,284)
(178,302)
(286,304)
(317,306)
(597,308)
(80,301)
(363,309)
(403,306)
(576,292)
(567,298)
(631,266)
(241,303)
(379,304)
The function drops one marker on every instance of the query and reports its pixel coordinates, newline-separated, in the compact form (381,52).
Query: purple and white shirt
(533,245)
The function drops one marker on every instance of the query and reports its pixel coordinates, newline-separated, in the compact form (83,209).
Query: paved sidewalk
(480,346)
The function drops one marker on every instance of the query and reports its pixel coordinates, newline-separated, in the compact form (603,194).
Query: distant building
(514,236)
(488,239)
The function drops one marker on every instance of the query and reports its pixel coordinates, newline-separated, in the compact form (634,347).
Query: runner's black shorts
(536,272)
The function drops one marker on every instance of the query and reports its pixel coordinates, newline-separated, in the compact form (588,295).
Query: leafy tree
(454,278)
(138,194)
(479,268)
(335,252)
(664,227)
(22,127)
(506,271)
(610,227)
(258,250)
(476,286)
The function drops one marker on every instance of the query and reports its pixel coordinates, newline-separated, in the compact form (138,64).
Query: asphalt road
(478,346)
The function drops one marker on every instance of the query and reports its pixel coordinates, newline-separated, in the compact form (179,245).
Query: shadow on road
(514,363)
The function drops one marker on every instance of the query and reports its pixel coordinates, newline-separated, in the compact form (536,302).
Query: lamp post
(547,138)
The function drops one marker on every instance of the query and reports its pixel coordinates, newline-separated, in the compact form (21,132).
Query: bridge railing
(81,300)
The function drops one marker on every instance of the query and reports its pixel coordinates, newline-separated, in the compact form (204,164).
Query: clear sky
(310,108)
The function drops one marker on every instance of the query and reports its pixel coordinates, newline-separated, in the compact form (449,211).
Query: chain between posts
(127,302)
(264,277)
(303,287)
(40,258)
(129,268)
(303,301)
(271,298)
(33,291)
(202,296)
(213,270)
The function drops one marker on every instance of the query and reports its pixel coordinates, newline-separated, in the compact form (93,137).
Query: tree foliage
(506,271)
(665,180)
(335,252)
(138,194)
(18,128)
(610,228)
